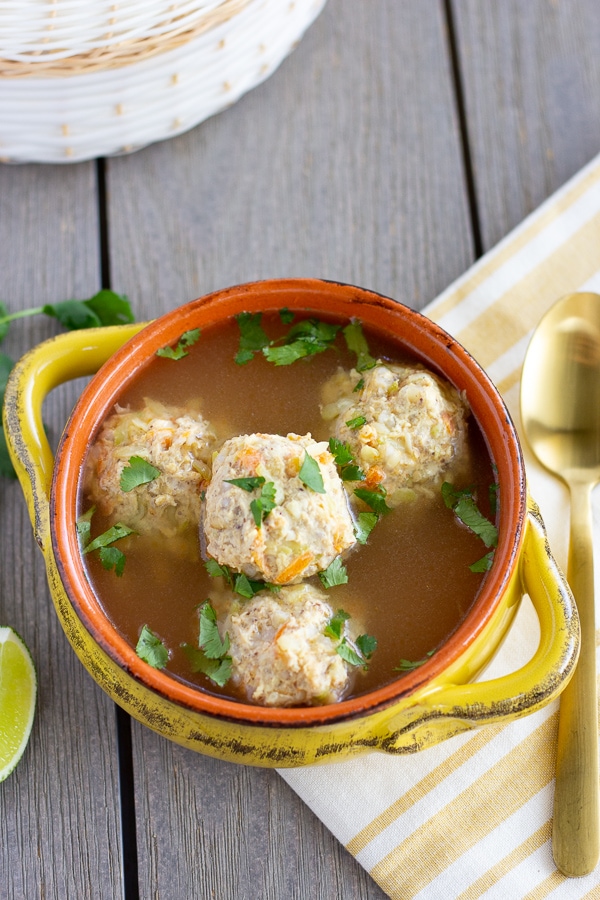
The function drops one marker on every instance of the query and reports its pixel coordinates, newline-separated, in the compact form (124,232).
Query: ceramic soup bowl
(436,700)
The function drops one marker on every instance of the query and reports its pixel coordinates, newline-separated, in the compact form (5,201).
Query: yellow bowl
(421,708)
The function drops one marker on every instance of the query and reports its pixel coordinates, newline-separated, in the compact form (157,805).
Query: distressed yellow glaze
(433,711)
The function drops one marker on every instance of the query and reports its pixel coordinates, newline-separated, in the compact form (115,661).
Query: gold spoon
(560,410)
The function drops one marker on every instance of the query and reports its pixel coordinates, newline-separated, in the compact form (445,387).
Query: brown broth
(410,586)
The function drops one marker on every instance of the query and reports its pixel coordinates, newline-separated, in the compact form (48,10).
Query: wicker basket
(85,78)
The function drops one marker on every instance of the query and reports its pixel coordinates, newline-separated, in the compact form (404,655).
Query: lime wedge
(18,688)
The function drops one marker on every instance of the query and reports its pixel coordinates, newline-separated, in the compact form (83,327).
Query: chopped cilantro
(240,583)
(151,649)
(364,525)
(352,473)
(218,670)
(310,474)
(252,336)
(112,558)
(407,665)
(247,484)
(305,338)
(357,422)
(358,386)
(334,574)
(493,497)
(108,537)
(217,571)
(261,506)
(180,350)
(484,564)
(84,526)
(367,644)
(286,315)
(209,639)
(357,343)
(462,503)
(335,626)
(374,499)
(344,460)
(139,471)
(210,657)
(350,655)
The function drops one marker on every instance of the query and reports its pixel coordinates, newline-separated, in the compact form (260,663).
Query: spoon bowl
(560,411)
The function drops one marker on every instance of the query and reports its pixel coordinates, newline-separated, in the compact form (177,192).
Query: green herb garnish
(210,657)
(462,503)
(334,574)
(104,308)
(187,339)
(247,484)
(310,474)
(115,533)
(364,525)
(151,649)
(375,499)
(138,471)
(484,564)
(286,315)
(305,338)
(407,665)
(335,626)
(344,460)
(252,336)
(110,557)
(357,422)
(261,506)
(350,655)
(238,582)
(358,386)
(357,343)
(84,527)
(367,644)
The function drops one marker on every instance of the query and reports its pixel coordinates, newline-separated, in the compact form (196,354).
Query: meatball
(178,442)
(280,655)
(404,425)
(304,530)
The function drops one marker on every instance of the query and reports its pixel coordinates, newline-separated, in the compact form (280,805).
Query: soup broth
(409,586)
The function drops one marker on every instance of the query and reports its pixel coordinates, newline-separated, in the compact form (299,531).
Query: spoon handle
(575,834)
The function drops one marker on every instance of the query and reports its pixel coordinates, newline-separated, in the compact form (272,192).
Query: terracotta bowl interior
(434,346)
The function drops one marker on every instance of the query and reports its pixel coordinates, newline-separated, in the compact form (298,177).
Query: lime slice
(18,688)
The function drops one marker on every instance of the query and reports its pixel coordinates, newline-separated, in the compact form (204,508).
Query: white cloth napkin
(471,817)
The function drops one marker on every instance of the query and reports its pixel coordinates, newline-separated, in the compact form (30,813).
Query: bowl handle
(51,363)
(452,707)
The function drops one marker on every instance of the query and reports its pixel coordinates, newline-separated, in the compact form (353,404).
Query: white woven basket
(85,78)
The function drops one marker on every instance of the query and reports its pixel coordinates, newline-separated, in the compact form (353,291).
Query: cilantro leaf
(464,507)
(261,506)
(367,644)
(305,338)
(484,564)
(247,484)
(209,639)
(350,655)
(310,474)
(108,537)
(217,571)
(112,558)
(252,336)
(139,471)
(187,339)
(334,574)
(84,526)
(286,315)
(352,473)
(217,670)
(104,308)
(335,626)
(357,343)
(357,422)
(341,452)
(407,665)
(151,649)
(364,525)
(374,499)
(110,308)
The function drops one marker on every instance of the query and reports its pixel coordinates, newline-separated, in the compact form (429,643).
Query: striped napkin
(471,817)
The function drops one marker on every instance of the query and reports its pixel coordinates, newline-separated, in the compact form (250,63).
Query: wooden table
(397,143)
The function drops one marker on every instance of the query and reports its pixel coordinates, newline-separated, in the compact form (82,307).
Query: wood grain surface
(396,140)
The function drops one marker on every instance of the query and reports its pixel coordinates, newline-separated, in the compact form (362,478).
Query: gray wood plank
(59,810)
(344,165)
(531,72)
